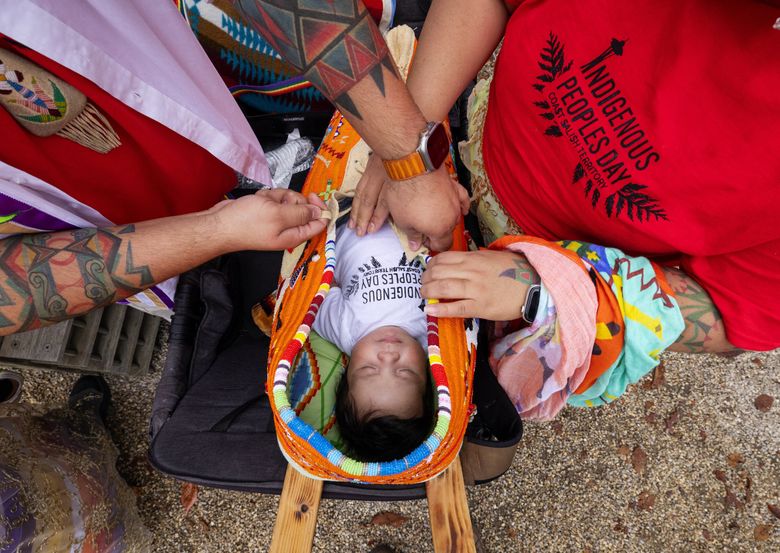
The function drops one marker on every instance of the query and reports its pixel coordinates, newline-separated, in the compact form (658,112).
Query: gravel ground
(687,462)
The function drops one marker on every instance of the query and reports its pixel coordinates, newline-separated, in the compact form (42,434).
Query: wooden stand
(296,519)
(448,509)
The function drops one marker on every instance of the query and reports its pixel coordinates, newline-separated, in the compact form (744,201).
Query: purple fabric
(20,524)
(29,216)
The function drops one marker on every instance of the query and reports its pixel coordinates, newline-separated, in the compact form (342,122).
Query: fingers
(378,218)
(367,196)
(282,196)
(463,197)
(297,215)
(447,289)
(365,202)
(459,309)
(440,243)
(314,199)
(451,258)
(434,273)
(415,239)
(291,237)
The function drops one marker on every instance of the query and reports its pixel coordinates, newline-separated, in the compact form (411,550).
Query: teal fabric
(652,318)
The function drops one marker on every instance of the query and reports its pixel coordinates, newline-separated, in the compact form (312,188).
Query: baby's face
(387,373)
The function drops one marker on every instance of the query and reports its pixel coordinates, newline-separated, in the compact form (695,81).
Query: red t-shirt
(154,173)
(653,127)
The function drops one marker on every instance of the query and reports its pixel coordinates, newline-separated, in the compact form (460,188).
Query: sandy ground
(687,464)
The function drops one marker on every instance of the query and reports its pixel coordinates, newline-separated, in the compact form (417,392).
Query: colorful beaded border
(306,432)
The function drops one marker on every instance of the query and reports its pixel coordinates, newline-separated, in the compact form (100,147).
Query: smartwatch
(432,150)
(531,303)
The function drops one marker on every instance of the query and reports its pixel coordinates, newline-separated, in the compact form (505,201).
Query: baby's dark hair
(375,439)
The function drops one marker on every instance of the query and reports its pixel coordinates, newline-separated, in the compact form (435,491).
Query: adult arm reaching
(458,38)
(493,285)
(338,48)
(46,278)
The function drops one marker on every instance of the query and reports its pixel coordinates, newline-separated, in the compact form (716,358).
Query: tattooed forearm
(46,278)
(334,43)
(704,330)
(523,272)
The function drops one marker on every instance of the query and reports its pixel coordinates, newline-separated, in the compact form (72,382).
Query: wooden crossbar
(448,509)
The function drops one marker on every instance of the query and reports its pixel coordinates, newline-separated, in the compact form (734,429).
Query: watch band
(531,303)
(432,150)
(406,167)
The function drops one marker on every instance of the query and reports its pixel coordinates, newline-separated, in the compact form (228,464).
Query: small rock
(557,427)
(774,509)
(388,518)
(646,501)
(764,402)
(639,460)
(672,419)
(734,459)
(702,435)
(731,500)
(762,532)
(706,534)
(720,475)
(651,418)
(757,362)
(624,451)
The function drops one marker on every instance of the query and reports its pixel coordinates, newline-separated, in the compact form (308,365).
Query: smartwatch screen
(438,146)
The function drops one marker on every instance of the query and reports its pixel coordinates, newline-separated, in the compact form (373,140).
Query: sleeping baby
(373,313)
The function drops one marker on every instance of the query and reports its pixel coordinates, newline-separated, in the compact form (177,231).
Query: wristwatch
(531,303)
(431,152)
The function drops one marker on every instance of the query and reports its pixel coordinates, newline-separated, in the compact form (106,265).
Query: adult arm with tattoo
(704,330)
(456,41)
(338,48)
(492,285)
(46,278)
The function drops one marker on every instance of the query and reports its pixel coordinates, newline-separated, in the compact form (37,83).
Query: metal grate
(116,339)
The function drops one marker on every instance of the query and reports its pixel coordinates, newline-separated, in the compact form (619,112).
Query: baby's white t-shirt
(375,286)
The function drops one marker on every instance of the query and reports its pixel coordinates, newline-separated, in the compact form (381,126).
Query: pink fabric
(539,390)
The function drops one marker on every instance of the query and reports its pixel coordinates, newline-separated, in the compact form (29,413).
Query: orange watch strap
(406,167)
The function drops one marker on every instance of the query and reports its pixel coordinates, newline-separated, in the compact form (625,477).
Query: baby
(373,313)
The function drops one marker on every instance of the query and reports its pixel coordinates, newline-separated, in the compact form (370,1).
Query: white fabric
(375,286)
(143,53)
(43,196)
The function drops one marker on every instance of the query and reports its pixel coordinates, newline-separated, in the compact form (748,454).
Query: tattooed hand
(486,284)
